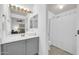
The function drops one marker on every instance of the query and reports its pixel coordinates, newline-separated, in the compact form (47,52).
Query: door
(63,31)
(32,46)
(14,48)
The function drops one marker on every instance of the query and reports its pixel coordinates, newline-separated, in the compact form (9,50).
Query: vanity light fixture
(19,9)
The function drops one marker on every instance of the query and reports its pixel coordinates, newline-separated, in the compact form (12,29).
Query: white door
(63,33)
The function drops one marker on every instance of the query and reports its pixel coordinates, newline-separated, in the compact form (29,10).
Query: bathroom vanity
(19,31)
(21,47)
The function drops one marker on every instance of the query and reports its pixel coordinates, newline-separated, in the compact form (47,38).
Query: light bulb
(61,6)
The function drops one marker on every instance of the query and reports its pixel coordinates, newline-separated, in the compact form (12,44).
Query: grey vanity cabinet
(24,47)
(32,46)
(14,48)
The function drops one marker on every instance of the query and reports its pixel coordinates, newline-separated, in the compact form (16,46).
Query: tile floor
(57,51)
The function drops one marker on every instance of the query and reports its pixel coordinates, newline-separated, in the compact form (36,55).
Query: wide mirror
(18,25)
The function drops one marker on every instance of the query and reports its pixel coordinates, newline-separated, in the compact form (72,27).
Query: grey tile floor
(57,51)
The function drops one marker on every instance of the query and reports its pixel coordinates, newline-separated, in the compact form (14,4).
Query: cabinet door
(15,48)
(32,46)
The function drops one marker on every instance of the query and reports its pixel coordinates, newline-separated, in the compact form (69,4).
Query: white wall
(50,16)
(0,28)
(77,28)
(42,20)
(62,31)
(0,24)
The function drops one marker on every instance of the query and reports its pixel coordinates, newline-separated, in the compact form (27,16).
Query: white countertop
(18,37)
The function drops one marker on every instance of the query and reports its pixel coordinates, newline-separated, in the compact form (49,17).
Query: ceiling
(59,8)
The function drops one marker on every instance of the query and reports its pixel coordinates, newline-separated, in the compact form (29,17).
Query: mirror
(34,22)
(17,25)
